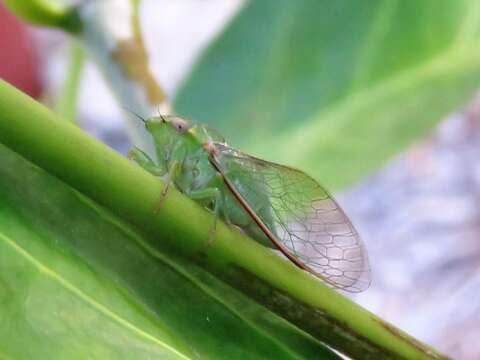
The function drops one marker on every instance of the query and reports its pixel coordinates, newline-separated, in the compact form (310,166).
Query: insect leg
(168,178)
(142,159)
(214,195)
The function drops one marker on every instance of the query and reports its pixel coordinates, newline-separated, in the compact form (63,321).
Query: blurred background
(416,206)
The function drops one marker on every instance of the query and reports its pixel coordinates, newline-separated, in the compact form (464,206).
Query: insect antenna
(162,117)
(135,114)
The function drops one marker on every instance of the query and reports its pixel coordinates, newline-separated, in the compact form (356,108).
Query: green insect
(278,206)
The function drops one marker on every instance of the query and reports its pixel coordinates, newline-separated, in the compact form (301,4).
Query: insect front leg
(209,194)
(142,159)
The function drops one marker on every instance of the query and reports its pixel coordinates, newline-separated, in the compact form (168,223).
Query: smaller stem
(67,102)
(113,39)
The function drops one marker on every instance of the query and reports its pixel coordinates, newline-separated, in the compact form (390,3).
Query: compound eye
(180,125)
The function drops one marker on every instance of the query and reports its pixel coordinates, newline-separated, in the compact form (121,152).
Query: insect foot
(211,235)
(131,155)
(161,200)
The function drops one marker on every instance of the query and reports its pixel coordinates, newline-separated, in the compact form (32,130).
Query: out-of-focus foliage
(77,282)
(336,87)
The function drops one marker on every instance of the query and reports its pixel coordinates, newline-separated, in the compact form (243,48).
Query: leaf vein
(85,297)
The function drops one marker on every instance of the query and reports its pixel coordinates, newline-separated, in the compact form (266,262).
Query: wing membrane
(306,222)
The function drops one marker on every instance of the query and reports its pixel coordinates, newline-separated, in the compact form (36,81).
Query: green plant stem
(111,180)
(46,13)
(67,102)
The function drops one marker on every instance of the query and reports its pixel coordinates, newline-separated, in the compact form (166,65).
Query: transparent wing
(304,218)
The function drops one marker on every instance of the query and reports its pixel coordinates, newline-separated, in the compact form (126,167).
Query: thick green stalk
(94,169)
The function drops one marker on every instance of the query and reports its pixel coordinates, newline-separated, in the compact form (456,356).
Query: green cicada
(276,205)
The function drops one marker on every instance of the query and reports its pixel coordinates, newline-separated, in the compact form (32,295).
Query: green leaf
(336,87)
(76,282)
